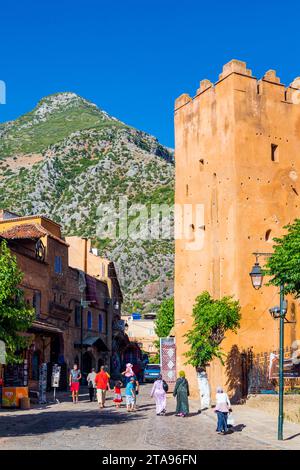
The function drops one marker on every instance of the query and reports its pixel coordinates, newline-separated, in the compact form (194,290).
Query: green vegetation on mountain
(67,157)
(54,118)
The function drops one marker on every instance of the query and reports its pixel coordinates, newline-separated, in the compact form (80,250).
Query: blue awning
(95,341)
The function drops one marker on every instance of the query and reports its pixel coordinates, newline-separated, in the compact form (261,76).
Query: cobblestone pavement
(84,426)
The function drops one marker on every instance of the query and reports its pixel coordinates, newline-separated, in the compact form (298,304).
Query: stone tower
(237,152)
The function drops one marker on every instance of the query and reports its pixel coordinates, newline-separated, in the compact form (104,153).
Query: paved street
(84,426)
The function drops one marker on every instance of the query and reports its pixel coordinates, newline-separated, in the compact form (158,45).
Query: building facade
(73,321)
(142,331)
(237,147)
(83,256)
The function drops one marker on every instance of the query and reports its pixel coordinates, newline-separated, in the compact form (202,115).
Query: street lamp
(256,276)
(275,311)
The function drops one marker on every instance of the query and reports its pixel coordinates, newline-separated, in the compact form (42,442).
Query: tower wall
(237,152)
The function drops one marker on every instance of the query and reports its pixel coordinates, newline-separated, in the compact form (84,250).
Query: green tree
(165,318)
(15,315)
(163,324)
(212,318)
(284,265)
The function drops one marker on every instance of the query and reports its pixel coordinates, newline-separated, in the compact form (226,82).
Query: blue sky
(133,58)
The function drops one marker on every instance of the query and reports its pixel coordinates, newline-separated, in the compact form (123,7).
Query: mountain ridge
(67,157)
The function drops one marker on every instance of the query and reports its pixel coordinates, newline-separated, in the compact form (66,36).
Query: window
(77,315)
(58,265)
(36,303)
(274,153)
(89,320)
(100,323)
(267,235)
(40,250)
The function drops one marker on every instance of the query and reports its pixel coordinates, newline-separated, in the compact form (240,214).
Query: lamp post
(81,288)
(257,276)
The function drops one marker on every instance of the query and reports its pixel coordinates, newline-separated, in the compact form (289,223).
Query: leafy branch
(212,318)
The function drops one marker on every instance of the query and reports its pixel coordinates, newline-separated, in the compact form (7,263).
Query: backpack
(165,386)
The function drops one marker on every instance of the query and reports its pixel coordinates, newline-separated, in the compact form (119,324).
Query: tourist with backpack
(159,393)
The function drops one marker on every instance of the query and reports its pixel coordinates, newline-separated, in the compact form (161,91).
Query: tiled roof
(32,231)
(28,231)
(28,217)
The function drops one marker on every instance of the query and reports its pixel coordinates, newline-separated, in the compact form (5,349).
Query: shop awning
(43,327)
(95,341)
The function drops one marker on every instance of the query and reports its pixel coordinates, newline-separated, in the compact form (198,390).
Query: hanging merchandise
(43,384)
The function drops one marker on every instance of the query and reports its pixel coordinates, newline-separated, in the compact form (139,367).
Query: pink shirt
(129,372)
(222,402)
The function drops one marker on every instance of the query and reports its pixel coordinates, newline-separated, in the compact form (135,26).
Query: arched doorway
(55,349)
(99,364)
(88,362)
(35,365)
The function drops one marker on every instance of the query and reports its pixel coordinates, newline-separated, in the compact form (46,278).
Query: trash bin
(25,403)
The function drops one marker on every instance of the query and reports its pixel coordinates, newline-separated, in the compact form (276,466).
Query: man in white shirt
(92,385)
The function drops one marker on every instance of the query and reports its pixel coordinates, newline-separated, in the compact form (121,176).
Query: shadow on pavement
(190,415)
(292,437)
(146,407)
(238,428)
(61,420)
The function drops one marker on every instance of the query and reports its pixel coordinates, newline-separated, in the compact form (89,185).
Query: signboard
(16,375)
(55,378)
(291,366)
(2,353)
(11,396)
(168,359)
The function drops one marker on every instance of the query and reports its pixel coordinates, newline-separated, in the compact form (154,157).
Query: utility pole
(81,333)
(257,276)
(83,304)
(281,364)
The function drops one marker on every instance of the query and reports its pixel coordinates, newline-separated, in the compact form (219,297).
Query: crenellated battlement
(267,85)
(235,66)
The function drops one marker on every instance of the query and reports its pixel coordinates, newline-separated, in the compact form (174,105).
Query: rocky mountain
(67,157)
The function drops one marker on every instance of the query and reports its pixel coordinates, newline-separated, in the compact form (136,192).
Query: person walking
(130,394)
(181,392)
(128,373)
(159,389)
(136,386)
(222,409)
(74,378)
(118,395)
(102,382)
(91,384)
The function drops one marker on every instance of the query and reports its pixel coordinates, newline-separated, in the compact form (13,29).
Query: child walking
(118,396)
(130,394)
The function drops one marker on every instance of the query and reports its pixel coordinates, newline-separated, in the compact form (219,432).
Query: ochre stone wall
(224,138)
